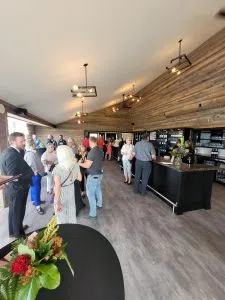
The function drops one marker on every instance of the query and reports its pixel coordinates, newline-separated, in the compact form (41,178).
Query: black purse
(52,167)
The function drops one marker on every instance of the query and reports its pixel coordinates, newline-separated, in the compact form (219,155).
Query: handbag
(51,167)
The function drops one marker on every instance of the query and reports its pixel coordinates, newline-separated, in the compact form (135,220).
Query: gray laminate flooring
(163,256)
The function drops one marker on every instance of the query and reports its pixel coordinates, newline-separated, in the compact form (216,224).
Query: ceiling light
(174,70)
(85,91)
(81,114)
(132,96)
(179,63)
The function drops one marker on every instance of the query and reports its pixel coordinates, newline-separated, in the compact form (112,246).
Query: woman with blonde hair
(82,155)
(72,144)
(126,152)
(65,174)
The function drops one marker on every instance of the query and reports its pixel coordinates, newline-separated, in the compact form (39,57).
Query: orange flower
(30,272)
(57,243)
(24,280)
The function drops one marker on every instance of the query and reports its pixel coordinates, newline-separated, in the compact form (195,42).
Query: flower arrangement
(32,265)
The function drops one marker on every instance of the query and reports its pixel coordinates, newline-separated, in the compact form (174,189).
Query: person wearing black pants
(144,152)
(17,207)
(12,164)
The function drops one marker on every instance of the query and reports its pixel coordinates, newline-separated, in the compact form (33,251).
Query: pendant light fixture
(81,114)
(115,108)
(179,63)
(132,96)
(84,91)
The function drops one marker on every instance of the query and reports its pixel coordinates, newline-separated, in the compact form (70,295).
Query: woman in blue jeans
(34,161)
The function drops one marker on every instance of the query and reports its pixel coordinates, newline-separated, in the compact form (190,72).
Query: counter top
(220,159)
(185,167)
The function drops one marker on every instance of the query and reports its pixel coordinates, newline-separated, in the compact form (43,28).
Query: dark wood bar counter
(184,187)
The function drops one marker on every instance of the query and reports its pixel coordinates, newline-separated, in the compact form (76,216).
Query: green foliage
(23,249)
(9,284)
(29,291)
(50,276)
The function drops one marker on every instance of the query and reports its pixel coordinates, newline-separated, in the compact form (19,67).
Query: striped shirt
(144,150)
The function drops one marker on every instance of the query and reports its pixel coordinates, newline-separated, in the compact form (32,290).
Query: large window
(17,125)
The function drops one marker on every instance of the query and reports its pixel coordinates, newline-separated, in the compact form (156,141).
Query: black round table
(98,274)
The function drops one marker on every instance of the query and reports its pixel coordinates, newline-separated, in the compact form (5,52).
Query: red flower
(20,264)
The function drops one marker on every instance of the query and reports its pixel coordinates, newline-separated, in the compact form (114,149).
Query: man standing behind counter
(144,152)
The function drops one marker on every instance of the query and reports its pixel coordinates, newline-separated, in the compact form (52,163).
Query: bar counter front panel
(183,187)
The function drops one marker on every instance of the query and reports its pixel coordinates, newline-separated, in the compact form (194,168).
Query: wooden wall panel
(102,120)
(196,98)
(42,133)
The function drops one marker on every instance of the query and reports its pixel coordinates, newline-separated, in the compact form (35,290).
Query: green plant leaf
(23,249)
(50,277)
(29,291)
(5,274)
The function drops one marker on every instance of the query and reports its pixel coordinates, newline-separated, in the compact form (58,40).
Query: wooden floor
(163,256)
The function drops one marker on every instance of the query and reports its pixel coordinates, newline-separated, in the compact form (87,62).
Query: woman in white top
(65,173)
(49,159)
(126,152)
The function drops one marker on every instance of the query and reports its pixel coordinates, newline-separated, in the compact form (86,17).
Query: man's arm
(2,178)
(87,164)
(152,151)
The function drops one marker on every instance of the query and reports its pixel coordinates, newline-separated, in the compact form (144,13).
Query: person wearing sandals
(33,160)
(65,173)
(126,152)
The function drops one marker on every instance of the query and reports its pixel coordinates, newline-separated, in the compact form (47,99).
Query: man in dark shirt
(144,152)
(61,140)
(93,164)
(51,140)
(12,164)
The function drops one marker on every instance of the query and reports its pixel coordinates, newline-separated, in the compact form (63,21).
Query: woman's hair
(70,139)
(65,156)
(81,149)
(30,144)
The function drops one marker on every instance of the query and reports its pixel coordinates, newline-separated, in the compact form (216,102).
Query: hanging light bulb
(174,70)
(178,72)
(79,121)
(75,87)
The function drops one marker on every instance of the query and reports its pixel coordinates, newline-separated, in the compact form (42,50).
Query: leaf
(5,274)
(9,287)
(68,263)
(50,277)
(29,291)
(23,249)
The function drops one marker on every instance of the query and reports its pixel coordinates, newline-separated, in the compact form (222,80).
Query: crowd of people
(65,165)
(72,172)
